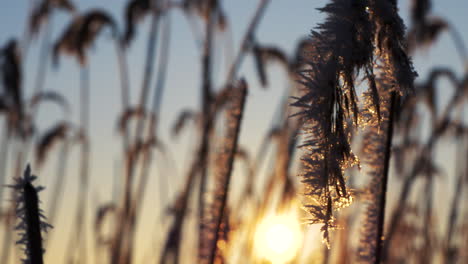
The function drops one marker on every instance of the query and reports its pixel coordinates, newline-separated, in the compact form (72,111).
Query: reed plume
(397,81)
(342,46)
(32,220)
(376,151)
(41,12)
(211,225)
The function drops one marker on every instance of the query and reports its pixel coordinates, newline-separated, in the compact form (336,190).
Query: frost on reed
(396,76)
(342,46)
(217,208)
(354,33)
(32,221)
(374,156)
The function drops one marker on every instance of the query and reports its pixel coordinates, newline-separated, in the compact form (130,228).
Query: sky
(285,22)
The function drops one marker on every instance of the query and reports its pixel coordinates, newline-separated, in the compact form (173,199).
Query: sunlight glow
(278,237)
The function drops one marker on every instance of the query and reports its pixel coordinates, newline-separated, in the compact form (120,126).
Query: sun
(278,237)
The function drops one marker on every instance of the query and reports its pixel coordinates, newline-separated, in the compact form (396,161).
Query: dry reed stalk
(43,57)
(58,186)
(78,243)
(460,46)
(12,83)
(124,86)
(121,251)
(59,132)
(125,96)
(155,110)
(5,143)
(32,221)
(459,191)
(149,64)
(41,70)
(41,74)
(377,151)
(172,242)
(77,37)
(386,169)
(288,140)
(430,170)
(224,165)
(397,79)
(206,114)
(247,41)
(327,103)
(438,129)
(16,172)
(285,137)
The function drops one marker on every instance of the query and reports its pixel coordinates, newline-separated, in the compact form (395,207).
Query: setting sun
(278,237)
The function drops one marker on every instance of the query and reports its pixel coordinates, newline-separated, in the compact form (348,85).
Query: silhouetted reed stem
(5,143)
(174,236)
(151,139)
(383,192)
(77,243)
(33,229)
(152,134)
(8,220)
(31,219)
(121,252)
(58,187)
(461,170)
(10,213)
(460,46)
(41,74)
(42,61)
(207,122)
(85,155)
(410,179)
(124,86)
(247,40)
(148,72)
(26,38)
(226,161)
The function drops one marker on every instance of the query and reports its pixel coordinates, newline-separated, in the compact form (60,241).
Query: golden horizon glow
(278,237)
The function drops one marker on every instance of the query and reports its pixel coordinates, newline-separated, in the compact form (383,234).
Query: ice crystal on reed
(32,220)
(346,43)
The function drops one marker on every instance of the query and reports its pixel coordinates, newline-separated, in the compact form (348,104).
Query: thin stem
(460,166)
(174,236)
(119,254)
(4,158)
(152,128)
(155,109)
(206,113)
(148,73)
(234,120)
(383,192)
(58,187)
(247,41)
(124,85)
(79,242)
(42,62)
(40,75)
(460,46)
(412,175)
(10,215)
